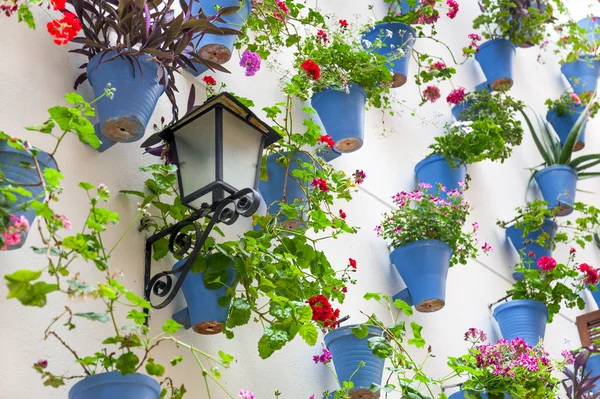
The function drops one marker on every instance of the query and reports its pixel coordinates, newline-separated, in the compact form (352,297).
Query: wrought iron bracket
(244,202)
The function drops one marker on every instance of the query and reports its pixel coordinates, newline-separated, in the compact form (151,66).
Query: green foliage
(520,21)
(489,131)
(419,218)
(574,44)
(570,103)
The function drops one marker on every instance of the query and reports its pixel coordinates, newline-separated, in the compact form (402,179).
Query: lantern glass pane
(241,146)
(196,153)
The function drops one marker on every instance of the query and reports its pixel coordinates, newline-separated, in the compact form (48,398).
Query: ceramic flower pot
(423,265)
(596,296)
(582,74)
(328,154)
(564,123)
(347,352)
(591,25)
(395,36)
(203,311)
(496,59)
(13,166)
(557,184)
(124,118)
(522,318)
(272,190)
(435,169)
(593,367)
(343,116)
(114,385)
(217,48)
(528,244)
(461,395)
(459,108)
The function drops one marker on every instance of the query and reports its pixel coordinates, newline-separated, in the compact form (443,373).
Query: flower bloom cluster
(322,36)
(437,66)
(324,358)
(9,8)
(352,263)
(431,93)
(591,275)
(475,335)
(452,8)
(59,4)
(475,38)
(505,358)
(327,140)
(283,8)
(246,394)
(312,69)
(425,19)
(323,312)
(546,263)
(209,80)
(13,234)
(456,96)
(359,176)
(320,184)
(66,223)
(65,29)
(250,61)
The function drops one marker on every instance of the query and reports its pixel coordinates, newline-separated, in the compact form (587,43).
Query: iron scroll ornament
(244,202)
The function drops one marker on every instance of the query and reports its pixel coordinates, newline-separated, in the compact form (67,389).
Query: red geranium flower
(321,34)
(327,140)
(456,96)
(342,214)
(312,69)
(209,80)
(323,311)
(546,263)
(59,4)
(343,23)
(352,263)
(320,183)
(65,29)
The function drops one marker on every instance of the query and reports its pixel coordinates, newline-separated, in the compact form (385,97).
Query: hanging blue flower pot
(423,265)
(435,169)
(593,367)
(496,59)
(272,190)
(596,296)
(343,116)
(347,351)
(592,26)
(328,154)
(461,395)
(582,74)
(18,166)
(203,313)
(217,48)
(528,244)
(395,37)
(563,124)
(523,318)
(459,108)
(558,184)
(113,385)
(124,118)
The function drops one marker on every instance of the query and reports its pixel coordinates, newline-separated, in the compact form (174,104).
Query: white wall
(35,74)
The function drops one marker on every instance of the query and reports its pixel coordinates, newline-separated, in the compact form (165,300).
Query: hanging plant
(509,367)
(137,47)
(564,113)
(428,231)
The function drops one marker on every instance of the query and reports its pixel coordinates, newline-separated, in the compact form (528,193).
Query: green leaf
(400,304)
(74,98)
(52,177)
(171,326)
(303,313)
(239,313)
(102,318)
(20,287)
(62,116)
(372,295)
(161,248)
(132,192)
(154,368)
(380,347)
(176,360)
(360,331)
(137,316)
(226,358)
(24,14)
(86,186)
(137,300)
(309,333)
(273,339)
(127,363)
(46,127)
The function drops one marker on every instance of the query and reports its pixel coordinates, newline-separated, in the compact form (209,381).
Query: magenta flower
(431,93)
(44,363)
(250,61)
(456,96)
(546,263)
(453,8)
(246,394)
(568,356)
(324,358)
(486,248)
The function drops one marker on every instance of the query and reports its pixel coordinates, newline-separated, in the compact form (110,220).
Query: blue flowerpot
(272,190)
(496,59)
(124,118)
(328,154)
(405,8)
(461,395)
(459,108)
(205,314)
(343,116)
(564,123)
(435,169)
(593,367)
(11,161)
(348,351)
(114,385)
(403,37)
(558,184)
(593,29)
(596,296)
(217,48)
(423,265)
(523,318)
(582,74)
(527,244)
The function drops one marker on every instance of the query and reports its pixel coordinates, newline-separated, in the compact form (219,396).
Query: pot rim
(517,303)
(109,377)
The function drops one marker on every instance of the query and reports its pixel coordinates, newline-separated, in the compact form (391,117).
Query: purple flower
(163,151)
(44,363)
(250,61)
(324,358)
(568,356)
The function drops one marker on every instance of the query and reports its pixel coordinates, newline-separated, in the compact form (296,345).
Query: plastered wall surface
(35,74)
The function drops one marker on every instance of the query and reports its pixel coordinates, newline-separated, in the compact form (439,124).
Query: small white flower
(467,130)
(367,43)
(400,52)
(388,33)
